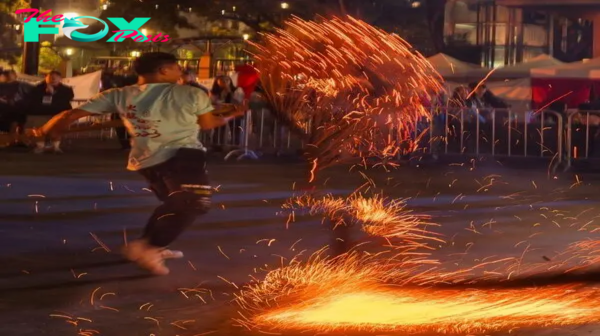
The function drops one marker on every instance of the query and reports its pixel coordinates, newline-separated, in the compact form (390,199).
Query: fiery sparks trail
(445,311)
(375,294)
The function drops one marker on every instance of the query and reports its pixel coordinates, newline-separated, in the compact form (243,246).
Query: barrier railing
(583,130)
(462,131)
(496,132)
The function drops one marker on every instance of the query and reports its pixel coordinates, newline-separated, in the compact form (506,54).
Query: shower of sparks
(381,308)
(406,289)
(348,89)
(377,216)
(586,254)
(357,292)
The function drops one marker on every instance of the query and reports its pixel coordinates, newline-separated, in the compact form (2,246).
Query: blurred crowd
(25,105)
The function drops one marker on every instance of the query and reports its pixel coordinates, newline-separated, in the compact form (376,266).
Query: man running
(162,118)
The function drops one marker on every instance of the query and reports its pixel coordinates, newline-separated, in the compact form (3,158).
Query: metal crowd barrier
(496,133)
(583,136)
(257,133)
(460,131)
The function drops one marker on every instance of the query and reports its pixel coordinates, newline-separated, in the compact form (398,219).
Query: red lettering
(165,39)
(44,16)
(121,32)
(157,37)
(139,38)
(148,38)
(28,10)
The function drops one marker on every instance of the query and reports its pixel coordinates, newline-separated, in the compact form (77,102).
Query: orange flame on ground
(384,309)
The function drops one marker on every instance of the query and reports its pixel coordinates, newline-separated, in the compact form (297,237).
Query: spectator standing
(48,99)
(224,92)
(14,107)
(475,103)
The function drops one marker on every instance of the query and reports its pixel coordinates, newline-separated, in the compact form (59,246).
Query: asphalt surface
(64,218)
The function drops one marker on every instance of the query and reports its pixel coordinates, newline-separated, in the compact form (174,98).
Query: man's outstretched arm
(100,104)
(61,122)
(211,120)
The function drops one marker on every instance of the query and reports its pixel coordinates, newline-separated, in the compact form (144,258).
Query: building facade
(512,31)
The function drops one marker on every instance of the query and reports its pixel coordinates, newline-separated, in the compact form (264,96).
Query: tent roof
(448,66)
(583,70)
(523,70)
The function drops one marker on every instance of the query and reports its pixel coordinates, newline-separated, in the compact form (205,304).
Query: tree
(9,47)
(49,59)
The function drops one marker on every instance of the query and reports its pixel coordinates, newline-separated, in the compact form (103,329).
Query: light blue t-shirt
(161,118)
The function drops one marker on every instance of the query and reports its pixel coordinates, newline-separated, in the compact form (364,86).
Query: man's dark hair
(55,72)
(150,63)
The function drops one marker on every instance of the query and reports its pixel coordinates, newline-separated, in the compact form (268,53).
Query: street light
(246,37)
(104,7)
(69,52)
(416,4)
(144,31)
(285,5)
(135,53)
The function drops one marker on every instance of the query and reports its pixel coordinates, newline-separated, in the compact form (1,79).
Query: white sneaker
(146,256)
(171,254)
(39,150)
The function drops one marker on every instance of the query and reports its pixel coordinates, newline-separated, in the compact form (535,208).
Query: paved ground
(63,219)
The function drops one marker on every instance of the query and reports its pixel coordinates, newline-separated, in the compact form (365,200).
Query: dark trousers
(181,184)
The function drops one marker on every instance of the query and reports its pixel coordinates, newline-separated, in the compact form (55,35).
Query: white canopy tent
(588,69)
(517,93)
(523,70)
(450,67)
